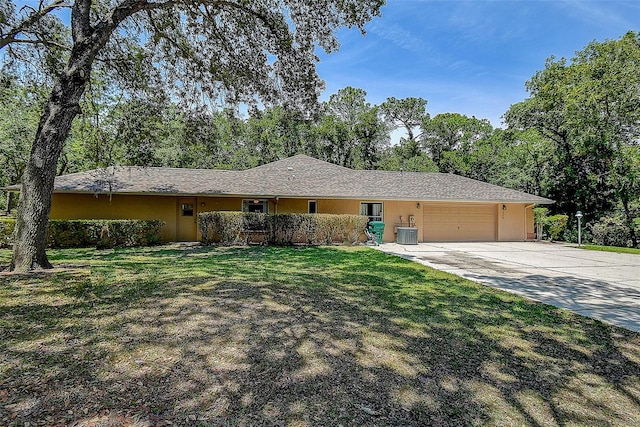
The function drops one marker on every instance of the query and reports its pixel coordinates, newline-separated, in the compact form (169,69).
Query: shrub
(570,234)
(223,227)
(119,233)
(556,224)
(612,231)
(103,233)
(233,228)
(287,229)
(68,234)
(98,233)
(540,218)
(338,228)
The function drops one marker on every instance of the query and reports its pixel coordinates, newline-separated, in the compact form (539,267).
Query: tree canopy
(229,50)
(588,111)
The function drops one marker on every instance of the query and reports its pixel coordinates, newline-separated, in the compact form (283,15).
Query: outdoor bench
(255,236)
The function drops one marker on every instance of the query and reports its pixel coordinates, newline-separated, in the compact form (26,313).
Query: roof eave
(308,196)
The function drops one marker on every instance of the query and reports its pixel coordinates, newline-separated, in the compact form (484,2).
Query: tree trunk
(34,204)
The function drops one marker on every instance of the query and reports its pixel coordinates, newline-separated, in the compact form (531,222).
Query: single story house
(442,206)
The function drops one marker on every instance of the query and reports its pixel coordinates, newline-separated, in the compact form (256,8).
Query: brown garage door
(461,223)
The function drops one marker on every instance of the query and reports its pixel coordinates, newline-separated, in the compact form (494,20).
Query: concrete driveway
(601,285)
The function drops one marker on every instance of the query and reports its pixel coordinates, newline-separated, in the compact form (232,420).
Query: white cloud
(625,14)
(399,37)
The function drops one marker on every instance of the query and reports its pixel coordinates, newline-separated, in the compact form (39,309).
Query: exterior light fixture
(202,204)
(504,207)
(579,216)
(418,205)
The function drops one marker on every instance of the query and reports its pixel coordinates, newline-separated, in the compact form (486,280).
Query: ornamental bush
(239,228)
(338,228)
(98,233)
(612,231)
(556,225)
(226,228)
(287,229)
(540,218)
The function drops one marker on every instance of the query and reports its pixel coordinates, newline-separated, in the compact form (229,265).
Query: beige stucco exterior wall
(393,211)
(338,206)
(291,206)
(88,206)
(220,204)
(513,223)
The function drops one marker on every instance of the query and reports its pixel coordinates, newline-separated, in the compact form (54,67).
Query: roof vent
(289,168)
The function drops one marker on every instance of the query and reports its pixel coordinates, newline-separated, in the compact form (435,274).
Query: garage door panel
(464,223)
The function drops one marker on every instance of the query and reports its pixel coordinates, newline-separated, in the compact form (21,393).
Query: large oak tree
(230,50)
(588,109)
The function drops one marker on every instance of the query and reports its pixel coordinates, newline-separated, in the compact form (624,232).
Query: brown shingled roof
(299,176)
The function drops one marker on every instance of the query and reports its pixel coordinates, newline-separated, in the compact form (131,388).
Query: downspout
(525,220)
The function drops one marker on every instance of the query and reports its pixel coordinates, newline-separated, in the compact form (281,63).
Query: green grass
(296,336)
(611,249)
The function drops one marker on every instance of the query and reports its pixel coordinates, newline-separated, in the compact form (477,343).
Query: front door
(187,216)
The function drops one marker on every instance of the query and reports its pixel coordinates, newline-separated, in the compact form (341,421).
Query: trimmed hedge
(88,233)
(226,227)
(240,228)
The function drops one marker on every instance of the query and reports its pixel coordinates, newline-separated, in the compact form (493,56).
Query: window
(186,209)
(313,206)
(254,205)
(372,210)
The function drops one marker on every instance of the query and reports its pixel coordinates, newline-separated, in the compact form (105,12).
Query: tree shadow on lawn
(316,336)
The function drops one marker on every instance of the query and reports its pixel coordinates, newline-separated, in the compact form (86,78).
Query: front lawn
(611,249)
(180,335)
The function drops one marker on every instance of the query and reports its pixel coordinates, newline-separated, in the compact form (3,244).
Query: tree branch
(81,21)
(12,35)
(47,43)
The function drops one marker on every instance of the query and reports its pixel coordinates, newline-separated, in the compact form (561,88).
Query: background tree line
(575,139)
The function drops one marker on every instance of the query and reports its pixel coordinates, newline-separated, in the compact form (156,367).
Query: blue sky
(468,57)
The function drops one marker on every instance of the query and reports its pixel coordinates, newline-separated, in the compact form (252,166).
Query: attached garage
(460,222)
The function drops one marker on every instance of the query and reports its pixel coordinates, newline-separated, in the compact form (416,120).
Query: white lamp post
(579,216)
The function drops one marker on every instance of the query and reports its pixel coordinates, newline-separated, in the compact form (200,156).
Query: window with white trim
(371,209)
(255,205)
